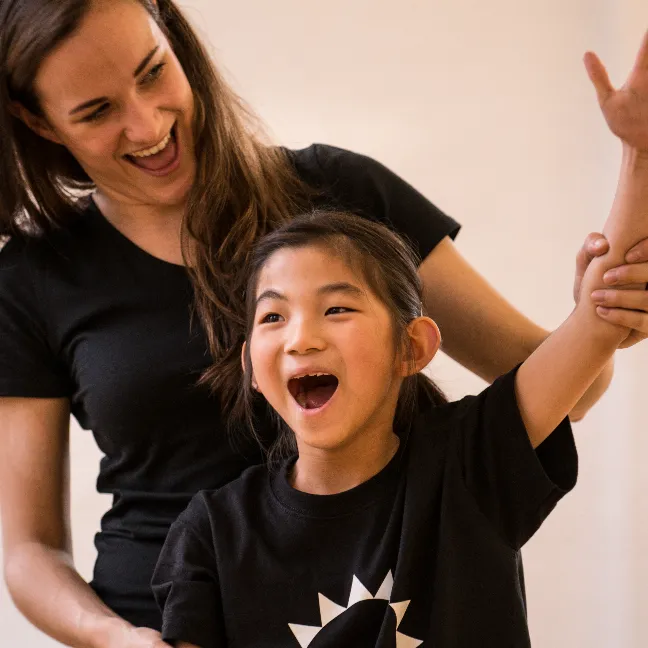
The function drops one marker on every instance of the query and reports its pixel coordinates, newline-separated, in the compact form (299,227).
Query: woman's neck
(327,472)
(155,229)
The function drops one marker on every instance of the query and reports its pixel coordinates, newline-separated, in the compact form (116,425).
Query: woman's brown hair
(389,267)
(243,188)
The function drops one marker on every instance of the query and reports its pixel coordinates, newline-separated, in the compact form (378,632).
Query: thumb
(599,77)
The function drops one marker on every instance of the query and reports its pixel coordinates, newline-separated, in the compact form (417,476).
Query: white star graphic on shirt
(330,610)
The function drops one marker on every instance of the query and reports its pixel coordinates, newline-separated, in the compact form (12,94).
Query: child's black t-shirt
(426,552)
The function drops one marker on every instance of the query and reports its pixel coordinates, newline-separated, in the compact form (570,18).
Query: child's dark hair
(387,264)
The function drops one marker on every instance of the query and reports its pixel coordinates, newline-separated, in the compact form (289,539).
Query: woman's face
(115,95)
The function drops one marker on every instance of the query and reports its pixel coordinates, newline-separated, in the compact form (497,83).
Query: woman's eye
(153,74)
(97,114)
(339,310)
(271,318)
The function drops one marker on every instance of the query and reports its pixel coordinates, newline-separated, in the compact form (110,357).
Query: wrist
(634,159)
(105,631)
(596,331)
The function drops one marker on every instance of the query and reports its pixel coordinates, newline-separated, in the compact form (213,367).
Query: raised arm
(560,371)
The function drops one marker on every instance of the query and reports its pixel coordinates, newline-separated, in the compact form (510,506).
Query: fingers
(642,57)
(598,76)
(626,275)
(630,319)
(638,253)
(595,245)
(636,300)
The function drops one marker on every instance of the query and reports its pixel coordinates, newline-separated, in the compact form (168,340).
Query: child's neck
(327,472)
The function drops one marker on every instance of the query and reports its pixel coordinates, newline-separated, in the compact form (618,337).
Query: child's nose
(304,337)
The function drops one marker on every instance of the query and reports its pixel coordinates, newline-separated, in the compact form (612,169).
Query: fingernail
(598,244)
(633,256)
(611,277)
(599,295)
(601,310)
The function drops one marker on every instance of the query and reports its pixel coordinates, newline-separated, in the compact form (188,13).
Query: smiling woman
(134,185)
(112,110)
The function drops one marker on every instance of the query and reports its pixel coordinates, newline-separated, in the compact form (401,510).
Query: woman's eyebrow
(145,61)
(99,100)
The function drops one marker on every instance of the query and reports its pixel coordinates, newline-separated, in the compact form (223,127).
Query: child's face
(315,315)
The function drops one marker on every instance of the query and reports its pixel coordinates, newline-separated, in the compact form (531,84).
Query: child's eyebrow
(339,287)
(270,294)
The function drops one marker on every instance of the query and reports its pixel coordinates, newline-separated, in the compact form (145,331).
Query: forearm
(627,223)
(560,376)
(593,393)
(480,329)
(52,595)
(557,375)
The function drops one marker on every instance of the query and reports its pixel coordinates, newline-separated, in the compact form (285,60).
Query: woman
(116,101)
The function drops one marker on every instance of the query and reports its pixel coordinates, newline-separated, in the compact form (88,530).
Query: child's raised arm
(558,373)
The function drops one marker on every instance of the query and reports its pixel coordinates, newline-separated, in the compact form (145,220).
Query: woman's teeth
(156,149)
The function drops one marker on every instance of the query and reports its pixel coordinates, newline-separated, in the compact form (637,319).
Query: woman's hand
(626,300)
(626,109)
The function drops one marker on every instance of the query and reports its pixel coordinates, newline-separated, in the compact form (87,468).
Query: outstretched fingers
(599,77)
(641,63)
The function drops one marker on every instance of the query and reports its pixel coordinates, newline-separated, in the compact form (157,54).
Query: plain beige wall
(485,107)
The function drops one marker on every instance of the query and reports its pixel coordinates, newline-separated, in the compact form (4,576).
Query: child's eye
(339,310)
(271,318)
(153,74)
(97,114)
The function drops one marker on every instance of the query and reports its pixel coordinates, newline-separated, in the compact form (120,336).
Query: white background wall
(486,108)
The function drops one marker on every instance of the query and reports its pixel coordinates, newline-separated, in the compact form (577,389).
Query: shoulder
(326,165)
(349,181)
(27,253)
(229,503)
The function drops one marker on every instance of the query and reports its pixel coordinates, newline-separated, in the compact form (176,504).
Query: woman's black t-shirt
(87,315)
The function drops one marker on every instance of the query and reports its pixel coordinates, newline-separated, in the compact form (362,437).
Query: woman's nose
(143,123)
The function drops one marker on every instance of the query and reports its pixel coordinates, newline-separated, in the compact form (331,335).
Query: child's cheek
(267,369)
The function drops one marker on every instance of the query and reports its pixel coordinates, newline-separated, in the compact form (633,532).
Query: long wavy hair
(389,267)
(243,186)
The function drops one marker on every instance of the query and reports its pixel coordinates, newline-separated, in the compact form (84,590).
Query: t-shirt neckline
(339,504)
(112,231)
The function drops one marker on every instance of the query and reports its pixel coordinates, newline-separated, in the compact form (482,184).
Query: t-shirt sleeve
(185,582)
(362,185)
(28,366)
(514,485)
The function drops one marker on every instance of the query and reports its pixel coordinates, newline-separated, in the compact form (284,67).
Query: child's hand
(626,298)
(625,109)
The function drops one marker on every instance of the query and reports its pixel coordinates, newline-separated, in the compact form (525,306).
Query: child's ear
(253,381)
(424,340)
(39,125)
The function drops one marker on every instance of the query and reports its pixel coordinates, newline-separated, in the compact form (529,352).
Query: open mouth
(313,391)
(160,158)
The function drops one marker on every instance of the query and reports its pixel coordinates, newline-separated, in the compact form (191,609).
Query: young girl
(399,519)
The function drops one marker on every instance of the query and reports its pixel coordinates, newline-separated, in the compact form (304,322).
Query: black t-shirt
(86,314)
(426,551)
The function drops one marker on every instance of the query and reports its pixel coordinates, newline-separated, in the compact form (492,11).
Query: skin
(304,324)
(99,60)
(574,353)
